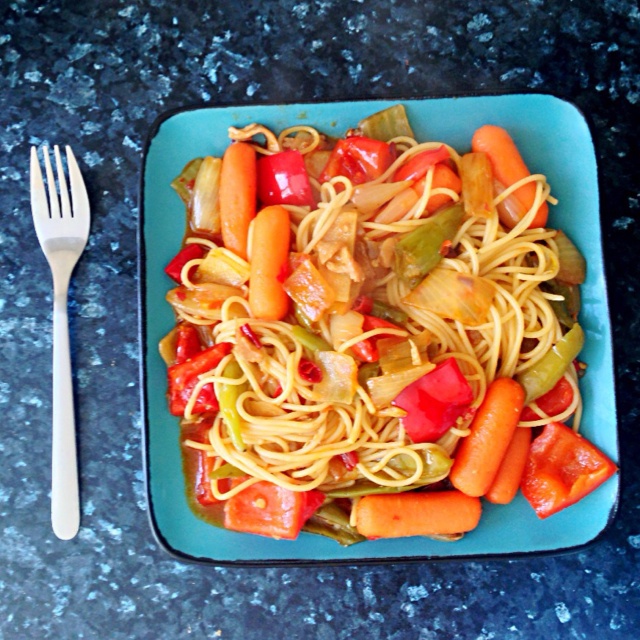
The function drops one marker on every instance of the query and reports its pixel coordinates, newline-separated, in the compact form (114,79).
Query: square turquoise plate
(554,138)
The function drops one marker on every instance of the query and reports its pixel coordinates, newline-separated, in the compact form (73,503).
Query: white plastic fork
(62,227)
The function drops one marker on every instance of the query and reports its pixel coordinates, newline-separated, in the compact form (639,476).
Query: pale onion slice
(204,212)
(477,184)
(221,267)
(383,389)
(397,354)
(371,196)
(573,266)
(339,377)
(453,295)
(344,327)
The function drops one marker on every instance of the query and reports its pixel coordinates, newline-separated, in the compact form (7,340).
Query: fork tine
(78,189)
(54,206)
(39,206)
(62,184)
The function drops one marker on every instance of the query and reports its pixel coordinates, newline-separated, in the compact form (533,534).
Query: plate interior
(554,138)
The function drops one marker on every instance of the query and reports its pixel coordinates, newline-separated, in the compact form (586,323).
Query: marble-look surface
(96,75)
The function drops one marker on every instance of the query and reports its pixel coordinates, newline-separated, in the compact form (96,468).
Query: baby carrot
(237,195)
(480,454)
(417,514)
(443,178)
(505,484)
(270,238)
(508,167)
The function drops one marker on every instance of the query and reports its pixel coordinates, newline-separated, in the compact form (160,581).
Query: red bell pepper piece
(267,509)
(283,179)
(552,403)
(358,158)
(349,460)
(434,402)
(562,468)
(418,166)
(183,377)
(187,342)
(309,371)
(366,350)
(363,304)
(188,252)
(313,500)
(203,492)
(251,335)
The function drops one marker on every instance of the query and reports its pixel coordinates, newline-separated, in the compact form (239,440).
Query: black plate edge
(184,557)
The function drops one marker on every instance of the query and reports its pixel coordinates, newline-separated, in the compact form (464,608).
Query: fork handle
(65,499)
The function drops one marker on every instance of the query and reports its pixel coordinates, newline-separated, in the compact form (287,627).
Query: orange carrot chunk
(479,455)
(507,481)
(417,514)
(237,196)
(270,239)
(509,167)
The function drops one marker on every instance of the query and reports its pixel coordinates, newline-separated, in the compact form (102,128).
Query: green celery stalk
(389,123)
(419,251)
(310,340)
(544,375)
(228,395)
(331,521)
(387,312)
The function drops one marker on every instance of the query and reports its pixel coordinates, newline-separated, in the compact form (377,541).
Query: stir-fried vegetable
(283,179)
(228,394)
(417,514)
(509,168)
(458,296)
(183,377)
(435,402)
(389,123)
(269,510)
(544,375)
(184,182)
(477,184)
(561,469)
(417,253)
(358,158)
(309,290)
(339,377)
(205,207)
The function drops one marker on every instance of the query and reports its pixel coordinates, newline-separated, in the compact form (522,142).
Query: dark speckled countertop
(96,74)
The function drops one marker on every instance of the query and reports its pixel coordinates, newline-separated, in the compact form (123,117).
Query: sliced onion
(201,300)
(454,295)
(204,213)
(344,327)
(316,161)
(368,197)
(399,206)
(167,347)
(383,389)
(309,290)
(573,266)
(339,379)
(397,354)
(477,184)
(183,183)
(218,266)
